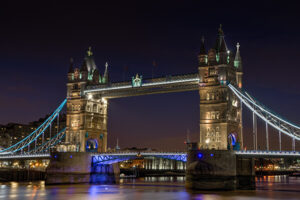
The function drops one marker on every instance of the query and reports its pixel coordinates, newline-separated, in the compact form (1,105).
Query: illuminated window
(207,132)
(207,96)
(217,115)
(208,115)
(95,108)
(88,108)
(213,115)
(75,123)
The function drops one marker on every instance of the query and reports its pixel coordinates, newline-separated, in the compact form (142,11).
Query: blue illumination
(211,154)
(200,155)
(233,139)
(55,113)
(70,156)
(55,156)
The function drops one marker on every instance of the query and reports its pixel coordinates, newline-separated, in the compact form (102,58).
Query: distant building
(12,133)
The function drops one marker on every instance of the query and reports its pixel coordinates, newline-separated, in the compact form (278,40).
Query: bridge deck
(168,155)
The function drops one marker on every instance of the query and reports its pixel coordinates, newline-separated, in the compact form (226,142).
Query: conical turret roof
(71,69)
(202,47)
(83,67)
(220,45)
(238,58)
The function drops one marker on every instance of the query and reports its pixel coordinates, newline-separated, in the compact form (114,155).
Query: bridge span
(109,158)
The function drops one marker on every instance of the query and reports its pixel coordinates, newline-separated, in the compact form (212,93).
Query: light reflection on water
(152,188)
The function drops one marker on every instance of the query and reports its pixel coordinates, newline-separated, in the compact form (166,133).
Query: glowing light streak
(264,109)
(247,103)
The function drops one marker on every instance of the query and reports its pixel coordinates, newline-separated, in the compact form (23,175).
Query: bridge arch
(91,145)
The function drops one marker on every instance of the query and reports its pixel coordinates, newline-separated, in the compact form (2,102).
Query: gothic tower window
(207,96)
(218,134)
(88,108)
(95,108)
(208,115)
(207,132)
(213,115)
(217,115)
(75,86)
(74,123)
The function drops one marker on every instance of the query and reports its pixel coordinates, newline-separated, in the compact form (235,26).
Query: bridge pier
(219,170)
(68,168)
(77,167)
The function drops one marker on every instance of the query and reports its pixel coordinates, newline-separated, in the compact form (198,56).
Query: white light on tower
(104,100)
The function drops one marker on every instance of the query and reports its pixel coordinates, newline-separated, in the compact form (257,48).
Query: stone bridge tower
(220,110)
(86,115)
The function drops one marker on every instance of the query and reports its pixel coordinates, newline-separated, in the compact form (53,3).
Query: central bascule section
(89,92)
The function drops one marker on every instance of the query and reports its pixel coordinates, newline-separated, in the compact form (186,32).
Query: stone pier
(77,167)
(218,170)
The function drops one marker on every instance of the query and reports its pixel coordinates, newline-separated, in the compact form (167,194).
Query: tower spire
(83,67)
(220,45)
(105,75)
(202,46)
(89,51)
(238,59)
(71,70)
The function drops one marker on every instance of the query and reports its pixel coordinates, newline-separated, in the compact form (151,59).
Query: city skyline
(32,90)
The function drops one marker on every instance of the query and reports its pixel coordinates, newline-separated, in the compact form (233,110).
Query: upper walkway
(138,86)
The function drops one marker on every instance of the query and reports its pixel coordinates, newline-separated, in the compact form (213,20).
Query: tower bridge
(221,99)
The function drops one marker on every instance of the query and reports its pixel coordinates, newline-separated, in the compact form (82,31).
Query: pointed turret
(220,45)
(71,70)
(238,59)
(96,76)
(202,57)
(90,63)
(84,71)
(83,67)
(202,47)
(105,75)
(238,65)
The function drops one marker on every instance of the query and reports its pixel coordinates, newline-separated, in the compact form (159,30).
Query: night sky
(37,40)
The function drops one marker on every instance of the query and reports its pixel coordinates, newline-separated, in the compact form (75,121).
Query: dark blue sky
(38,38)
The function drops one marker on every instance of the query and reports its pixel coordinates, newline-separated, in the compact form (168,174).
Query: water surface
(150,188)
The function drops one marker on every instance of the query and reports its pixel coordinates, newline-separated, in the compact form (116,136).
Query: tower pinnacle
(220,30)
(238,59)
(89,52)
(220,42)
(202,47)
(71,70)
(105,75)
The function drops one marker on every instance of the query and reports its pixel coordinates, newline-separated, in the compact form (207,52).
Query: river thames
(150,188)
